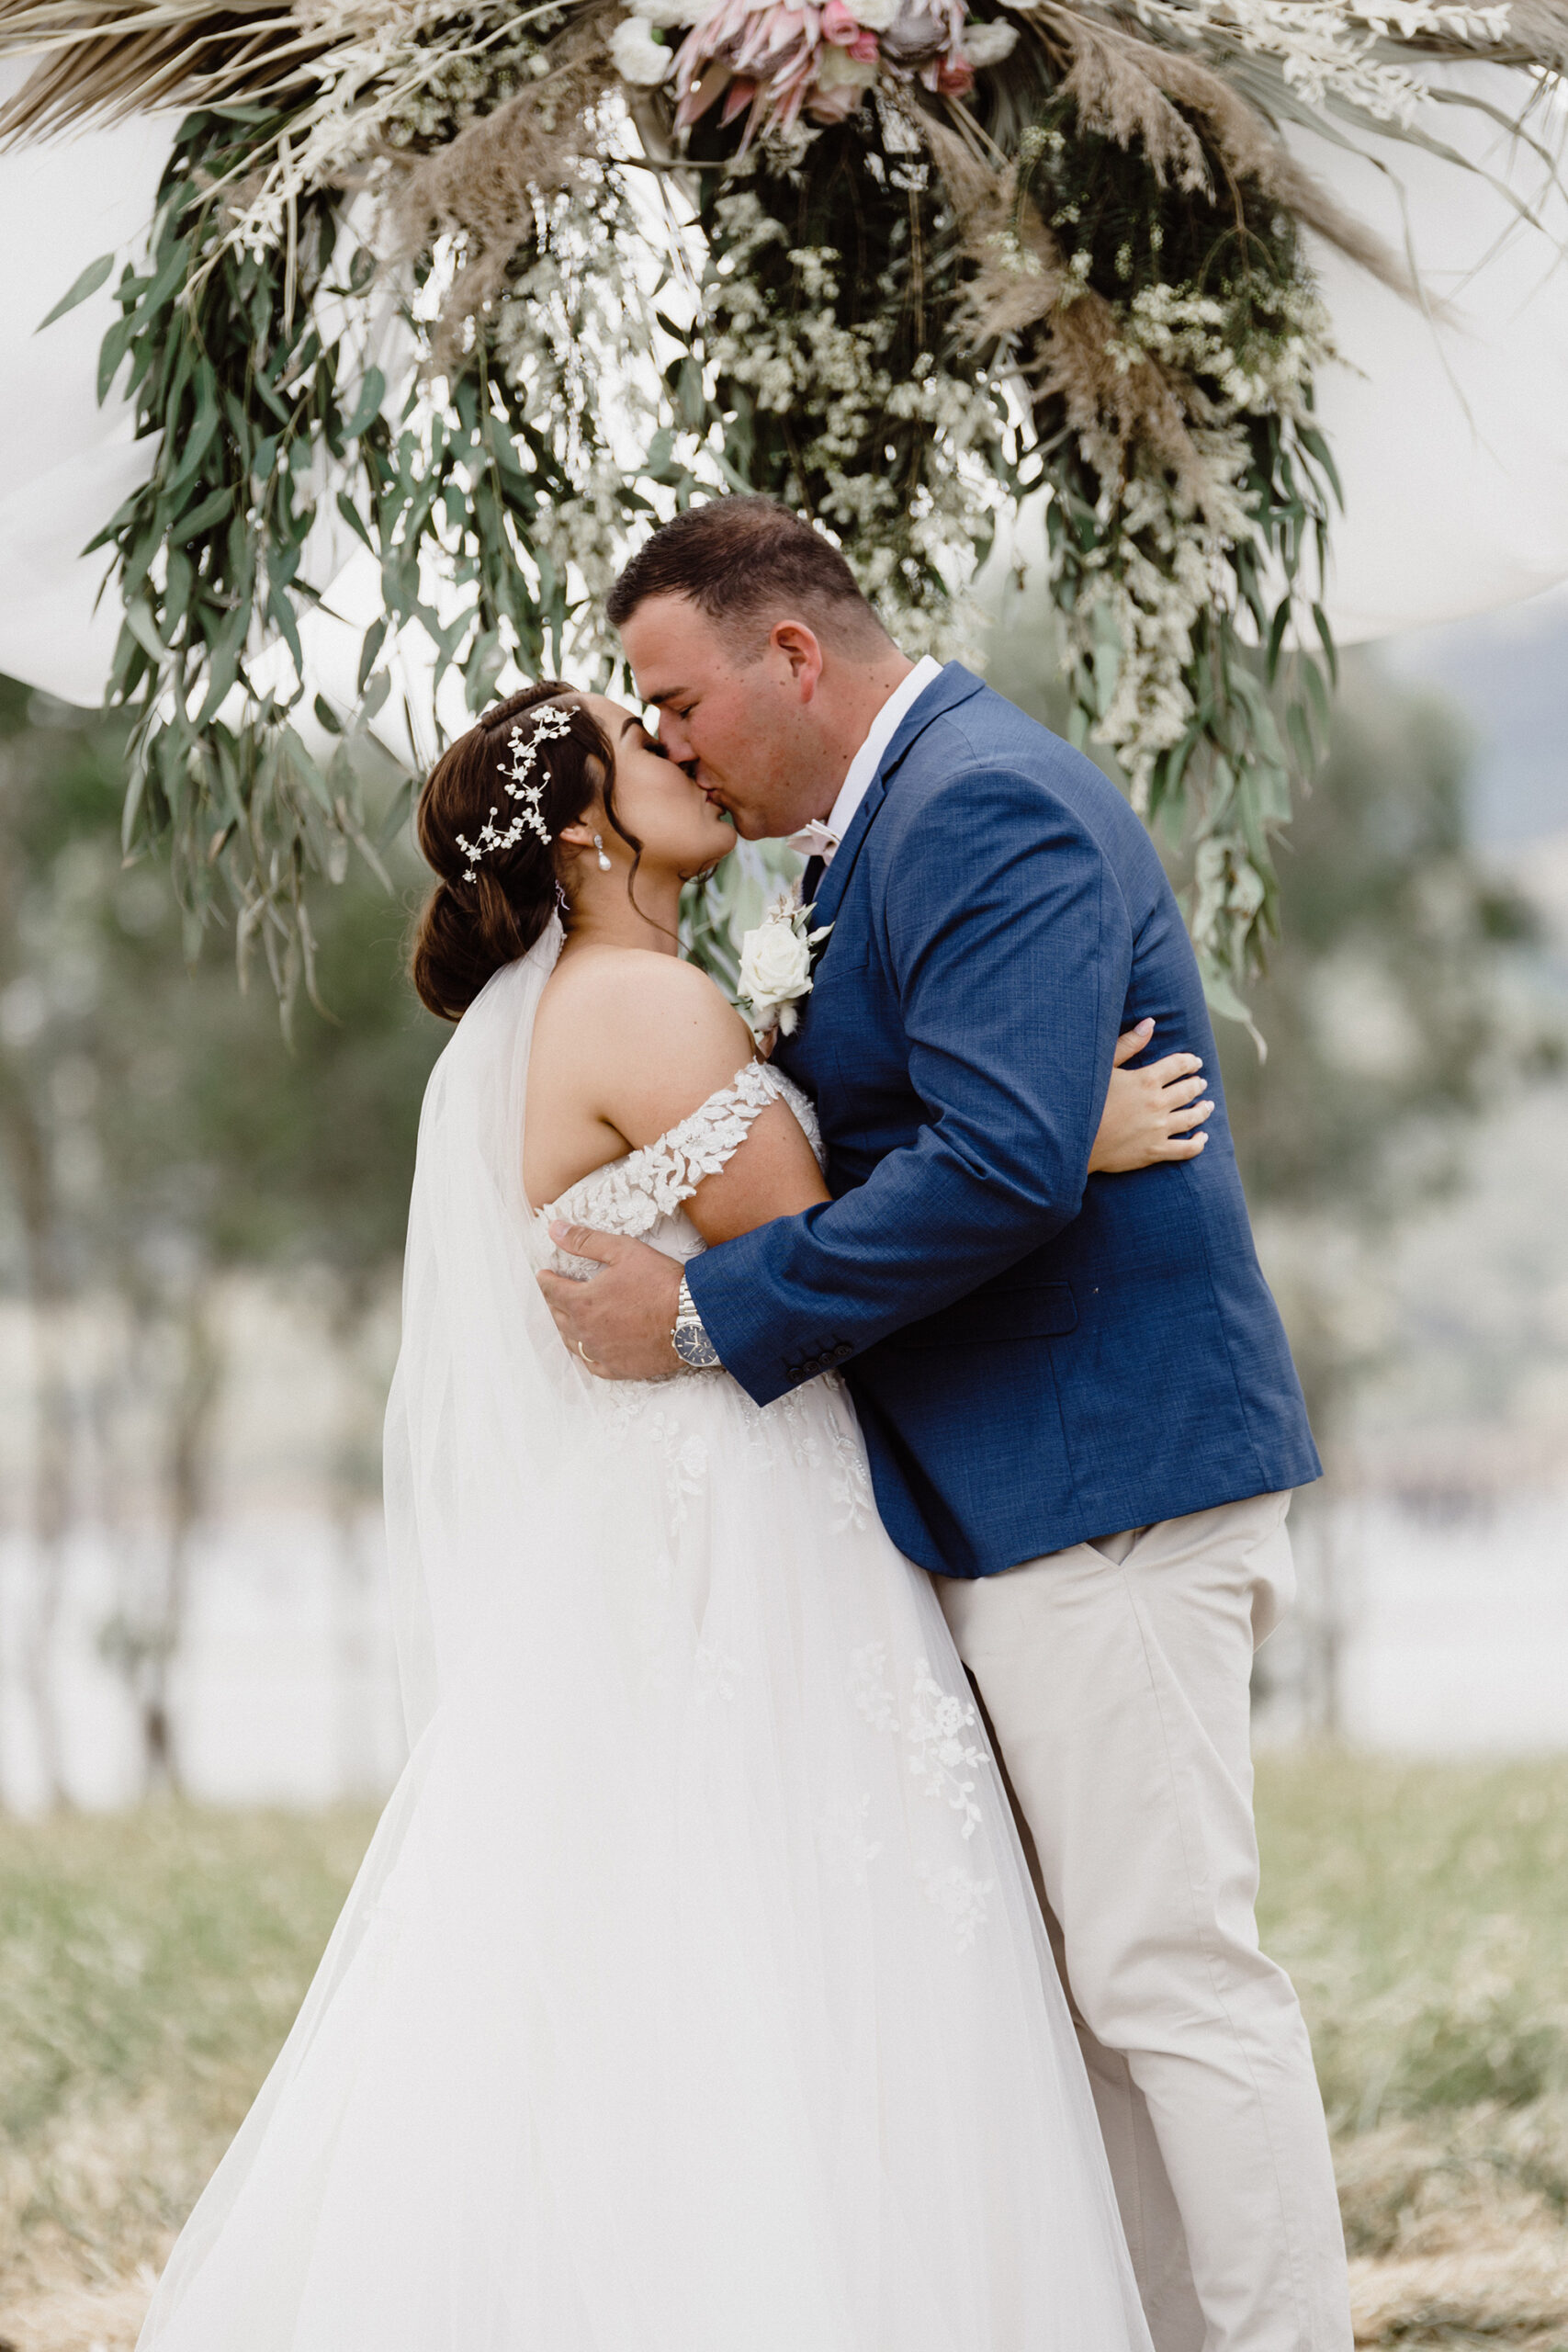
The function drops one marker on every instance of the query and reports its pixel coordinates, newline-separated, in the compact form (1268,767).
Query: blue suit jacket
(1037,1355)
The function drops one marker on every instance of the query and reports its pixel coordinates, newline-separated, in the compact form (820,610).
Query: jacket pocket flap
(1006,1309)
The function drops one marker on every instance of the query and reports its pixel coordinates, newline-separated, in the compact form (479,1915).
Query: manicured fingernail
(558,1232)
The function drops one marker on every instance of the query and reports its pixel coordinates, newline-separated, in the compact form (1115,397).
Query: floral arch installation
(481,291)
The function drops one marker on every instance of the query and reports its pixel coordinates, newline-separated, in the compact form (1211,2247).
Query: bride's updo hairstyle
(469,929)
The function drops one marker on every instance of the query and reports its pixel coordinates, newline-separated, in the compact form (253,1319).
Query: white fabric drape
(65,463)
(1450,429)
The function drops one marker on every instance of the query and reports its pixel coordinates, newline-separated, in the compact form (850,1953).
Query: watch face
(695,1348)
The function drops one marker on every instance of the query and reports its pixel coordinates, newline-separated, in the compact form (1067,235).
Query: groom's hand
(619,1322)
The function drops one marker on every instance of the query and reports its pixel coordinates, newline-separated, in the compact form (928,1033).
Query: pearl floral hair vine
(519,783)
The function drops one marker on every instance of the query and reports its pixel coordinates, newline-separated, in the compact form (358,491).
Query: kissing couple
(816,1914)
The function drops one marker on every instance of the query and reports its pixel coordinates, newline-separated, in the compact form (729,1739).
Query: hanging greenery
(486,290)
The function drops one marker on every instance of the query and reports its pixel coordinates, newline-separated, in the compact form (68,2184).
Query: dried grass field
(150,1965)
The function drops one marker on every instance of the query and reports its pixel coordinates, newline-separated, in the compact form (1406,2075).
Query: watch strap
(688,1338)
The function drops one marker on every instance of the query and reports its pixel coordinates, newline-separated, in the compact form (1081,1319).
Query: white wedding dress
(691,1996)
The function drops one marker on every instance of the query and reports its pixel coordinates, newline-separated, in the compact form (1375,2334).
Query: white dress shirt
(819,840)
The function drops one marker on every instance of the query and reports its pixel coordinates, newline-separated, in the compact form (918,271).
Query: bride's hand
(1149,1112)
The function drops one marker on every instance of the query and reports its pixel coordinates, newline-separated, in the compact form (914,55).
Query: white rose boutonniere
(775,967)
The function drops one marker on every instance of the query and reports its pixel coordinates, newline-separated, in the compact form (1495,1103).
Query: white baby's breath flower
(874,14)
(988,44)
(667,13)
(640,59)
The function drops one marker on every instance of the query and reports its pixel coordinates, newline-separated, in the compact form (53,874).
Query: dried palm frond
(1251,151)
(1132,90)
(105,60)
(487,183)
(1110,80)
(1021,292)
(1536,34)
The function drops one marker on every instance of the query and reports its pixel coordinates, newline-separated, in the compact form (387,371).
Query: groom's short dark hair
(739,559)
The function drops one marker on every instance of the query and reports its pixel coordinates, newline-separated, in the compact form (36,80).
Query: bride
(693,1996)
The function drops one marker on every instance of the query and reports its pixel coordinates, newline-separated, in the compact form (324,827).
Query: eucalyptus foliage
(260,407)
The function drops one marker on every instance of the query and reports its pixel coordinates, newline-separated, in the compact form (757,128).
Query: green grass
(150,1965)
(1422,1912)
(166,1949)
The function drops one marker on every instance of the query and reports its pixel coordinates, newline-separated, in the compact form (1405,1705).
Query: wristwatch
(690,1343)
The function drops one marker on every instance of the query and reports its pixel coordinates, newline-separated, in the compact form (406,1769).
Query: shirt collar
(868,759)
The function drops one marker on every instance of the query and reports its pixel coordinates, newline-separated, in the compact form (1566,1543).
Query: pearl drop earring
(604,854)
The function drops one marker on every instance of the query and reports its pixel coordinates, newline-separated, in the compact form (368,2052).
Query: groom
(1077,1395)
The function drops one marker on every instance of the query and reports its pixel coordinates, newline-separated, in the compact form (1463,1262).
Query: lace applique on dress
(943,1761)
(630,1195)
(961,1898)
(868,1687)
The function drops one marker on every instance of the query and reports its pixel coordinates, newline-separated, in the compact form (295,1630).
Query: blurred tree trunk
(353,1484)
(183,1141)
(1323,1608)
(356,1742)
(195,1390)
(30,1169)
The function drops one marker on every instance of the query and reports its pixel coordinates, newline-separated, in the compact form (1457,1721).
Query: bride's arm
(644,1041)
(773,1173)
(659,1051)
(647,1041)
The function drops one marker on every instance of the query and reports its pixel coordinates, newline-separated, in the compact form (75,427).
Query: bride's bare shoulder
(632,990)
(649,1037)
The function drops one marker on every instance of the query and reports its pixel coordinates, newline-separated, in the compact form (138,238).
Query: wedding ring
(586,1357)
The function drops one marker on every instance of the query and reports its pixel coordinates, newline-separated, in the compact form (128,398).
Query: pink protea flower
(787,97)
(771,63)
(774,36)
(767,50)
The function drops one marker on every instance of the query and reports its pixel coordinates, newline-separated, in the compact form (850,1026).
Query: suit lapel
(955,685)
(835,880)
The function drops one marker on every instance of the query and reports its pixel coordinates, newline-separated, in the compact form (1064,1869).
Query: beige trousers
(1115,1677)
